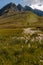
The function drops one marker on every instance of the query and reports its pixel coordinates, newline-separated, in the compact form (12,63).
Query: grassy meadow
(16,49)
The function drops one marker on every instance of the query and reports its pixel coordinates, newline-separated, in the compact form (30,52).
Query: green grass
(14,51)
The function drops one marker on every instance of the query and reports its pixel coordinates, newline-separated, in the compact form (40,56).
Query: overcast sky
(33,2)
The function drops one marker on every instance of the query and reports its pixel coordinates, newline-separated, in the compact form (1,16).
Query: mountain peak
(10,7)
(20,7)
(11,4)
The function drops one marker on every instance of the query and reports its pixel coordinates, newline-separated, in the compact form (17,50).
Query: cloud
(33,2)
(37,7)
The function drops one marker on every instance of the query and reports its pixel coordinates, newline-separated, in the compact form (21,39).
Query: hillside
(20,19)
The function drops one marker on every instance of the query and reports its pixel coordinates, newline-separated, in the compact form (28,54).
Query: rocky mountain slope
(12,16)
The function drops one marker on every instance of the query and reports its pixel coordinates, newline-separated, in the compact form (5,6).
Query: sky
(32,3)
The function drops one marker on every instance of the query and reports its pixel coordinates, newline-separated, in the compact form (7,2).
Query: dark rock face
(27,8)
(9,7)
(38,12)
(20,8)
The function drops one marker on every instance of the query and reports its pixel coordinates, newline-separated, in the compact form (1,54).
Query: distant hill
(38,12)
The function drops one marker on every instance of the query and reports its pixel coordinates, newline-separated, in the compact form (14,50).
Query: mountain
(12,16)
(12,8)
(38,12)
(20,7)
(9,8)
(27,8)
(37,9)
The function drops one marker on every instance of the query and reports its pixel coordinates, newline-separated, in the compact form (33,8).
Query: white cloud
(35,4)
(37,7)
